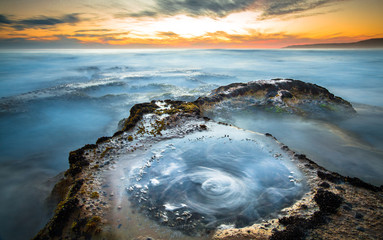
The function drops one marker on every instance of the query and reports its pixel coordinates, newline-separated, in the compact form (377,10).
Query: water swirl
(221,179)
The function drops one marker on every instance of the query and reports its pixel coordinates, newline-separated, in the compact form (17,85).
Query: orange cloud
(273,25)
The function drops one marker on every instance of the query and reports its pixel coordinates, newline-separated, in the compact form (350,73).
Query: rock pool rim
(216,188)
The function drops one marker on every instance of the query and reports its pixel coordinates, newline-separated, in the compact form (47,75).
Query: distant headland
(369,43)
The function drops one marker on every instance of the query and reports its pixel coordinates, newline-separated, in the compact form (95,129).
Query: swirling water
(54,101)
(226,176)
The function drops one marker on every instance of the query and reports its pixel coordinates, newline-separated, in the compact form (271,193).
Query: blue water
(55,101)
(233,173)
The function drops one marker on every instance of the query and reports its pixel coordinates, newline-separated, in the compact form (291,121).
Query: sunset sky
(186,23)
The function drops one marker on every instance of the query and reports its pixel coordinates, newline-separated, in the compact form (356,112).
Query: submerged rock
(167,156)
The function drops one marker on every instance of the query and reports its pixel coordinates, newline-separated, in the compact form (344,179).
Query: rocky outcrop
(85,204)
(280,96)
(79,213)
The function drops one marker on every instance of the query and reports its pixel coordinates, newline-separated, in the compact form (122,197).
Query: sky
(186,23)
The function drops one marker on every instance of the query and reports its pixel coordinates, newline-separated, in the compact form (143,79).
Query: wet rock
(328,202)
(183,219)
(102,139)
(359,183)
(334,178)
(285,94)
(281,96)
(324,185)
(291,232)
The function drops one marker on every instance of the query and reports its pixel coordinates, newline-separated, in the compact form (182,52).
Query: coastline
(84,206)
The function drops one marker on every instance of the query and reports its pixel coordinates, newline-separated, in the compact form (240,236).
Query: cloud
(59,42)
(4,20)
(39,22)
(93,30)
(167,34)
(218,39)
(141,14)
(194,8)
(222,8)
(214,8)
(284,7)
(49,21)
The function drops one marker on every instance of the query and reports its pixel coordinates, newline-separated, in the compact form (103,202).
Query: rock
(328,202)
(358,215)
(334,178)
(281,96)
(360,229)
(324,185)
(347,208)
(284,94)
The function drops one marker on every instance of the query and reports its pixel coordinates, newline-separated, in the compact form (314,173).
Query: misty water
(55,101)
(226,176)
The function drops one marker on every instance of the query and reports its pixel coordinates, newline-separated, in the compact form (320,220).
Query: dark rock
(331,177)
(328,202)
(324,185)
(310,100)
(300,156)
(56,225)
(348,204)
(296,226)
(292,232)
(271,94)
(102,139)
(77,161)
(347,208)
(285,148)
(309,166)
(319,218)
(359,183)
(304,206)
(358,215)
(286,94)
(76,187)
(136,114)
(360,229)
(291,220)
(118,133)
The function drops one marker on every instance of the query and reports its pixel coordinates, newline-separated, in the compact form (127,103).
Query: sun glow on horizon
(100,26)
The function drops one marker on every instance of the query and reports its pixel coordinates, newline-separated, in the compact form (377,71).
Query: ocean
(56,101)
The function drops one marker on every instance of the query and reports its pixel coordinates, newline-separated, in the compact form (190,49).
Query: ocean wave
(70,89)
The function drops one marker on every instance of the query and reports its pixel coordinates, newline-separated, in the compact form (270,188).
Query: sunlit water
(56,101)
